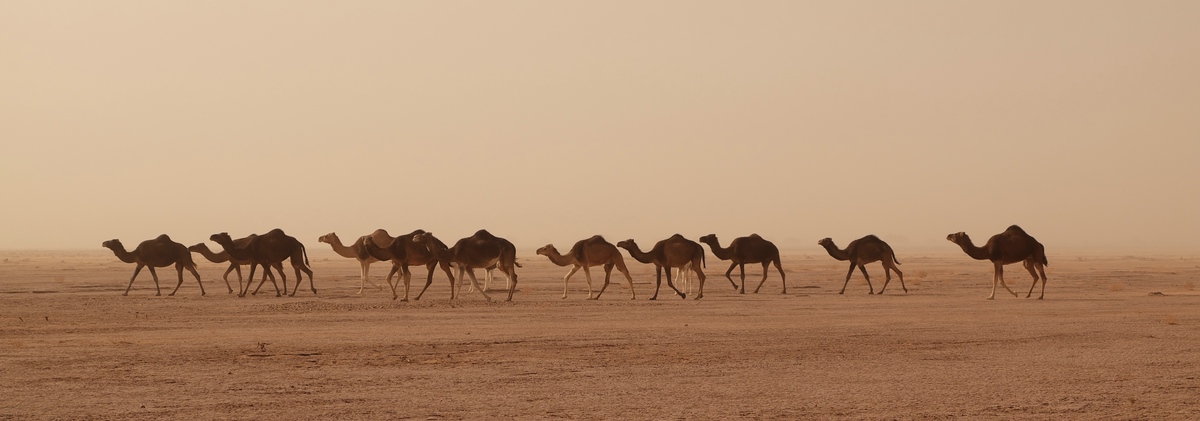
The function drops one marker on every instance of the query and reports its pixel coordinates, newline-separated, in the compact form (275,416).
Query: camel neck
(975,252)
(212,257)
(123,255)
(835,252)
(557,258)
(721,253)
(342,250)
(638,255)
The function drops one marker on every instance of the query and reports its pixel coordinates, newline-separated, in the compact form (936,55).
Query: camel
(476,252)
(742,250)
(594,251)
(404,252)
(673,252)
(268,250)
(355,251)
(1011,246)
(223,256)
(159,252)
(862,251)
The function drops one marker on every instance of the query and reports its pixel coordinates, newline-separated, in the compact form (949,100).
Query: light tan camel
(674,252)
(594,251)
(223,256)
(862,251)
(355,251)
(476,252)
(404,252)
(159,252)
(1011,246)
(268,250)
(751,249)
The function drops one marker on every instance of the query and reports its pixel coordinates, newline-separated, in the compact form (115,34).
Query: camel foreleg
(157,291)
(863,269)
(574,269)
(765,266)
(135,274)
(727,272)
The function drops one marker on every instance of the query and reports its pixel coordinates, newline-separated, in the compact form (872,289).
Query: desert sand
(1116,337)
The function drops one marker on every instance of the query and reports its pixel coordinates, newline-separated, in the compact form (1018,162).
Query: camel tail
(893,252)
(305,252)
(517,264)
(1045,261)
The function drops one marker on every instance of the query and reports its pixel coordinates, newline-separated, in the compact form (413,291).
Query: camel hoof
(230,292)
(742,292)
(784,292)
(173,294)
(1040,297)
(653,298)
(698,297)
(158,294)
(683,296)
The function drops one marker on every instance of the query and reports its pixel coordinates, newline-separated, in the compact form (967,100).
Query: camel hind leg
(157,291)
(608,267)
(696,267)
(300,266)
(475,283)
(735,285)
(1034,268)
(766,266)
(742,272)
(671,284)
(625,271)
(225,277)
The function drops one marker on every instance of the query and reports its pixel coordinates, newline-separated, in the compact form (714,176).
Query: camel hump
(596,238)
(677,237)
(872,237)
(163,237)
(1016,229)
(276,231)
(755,236)
(483,233)
(380,231)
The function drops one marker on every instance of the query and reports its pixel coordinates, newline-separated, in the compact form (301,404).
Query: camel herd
(489,252)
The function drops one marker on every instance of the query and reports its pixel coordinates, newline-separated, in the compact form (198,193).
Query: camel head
(709,239)
(112,244)
(221,238)
(547,249)
(372,249)
(328,238)
(959,238)
(825,242)
(420,237)
(197,247)
(627,244)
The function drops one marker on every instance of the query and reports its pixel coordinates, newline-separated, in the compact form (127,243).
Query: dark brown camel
(223,256)
(268,250)
(743,250)
(355,251)
(404,252)
(159,252)
(594,251)
(1011,246)
(674,252)
(478,251)
(862,251)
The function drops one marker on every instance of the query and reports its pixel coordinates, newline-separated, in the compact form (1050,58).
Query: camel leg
(568,277)
(671,284)
(1005,285)
(512,282)
(901,275)
(428,280)
(226,277)
(238,268)
(267,273)
(249,280)
(781,276)
(197,275)
(735,286)
(1042,270)
(848,274)
(157,291)
(407,277)
(179,269)
(742,271)
(996,279)
(887,277)
(475,283)
(364,269)
(657,280)
(608,267)
(453,290)
(1030,265)
(700,275)
(587,274)
(863,269)
(135,273)
(625,271)
(302,267)
(282,278)
(766,266)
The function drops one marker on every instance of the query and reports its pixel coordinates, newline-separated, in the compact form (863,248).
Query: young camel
(594,251)
(223,256)
(673,252)
(478,251)
(1011,246)
(862,251)
(355,251)
(269,250)
(404,252)
(743,250)
(159,252)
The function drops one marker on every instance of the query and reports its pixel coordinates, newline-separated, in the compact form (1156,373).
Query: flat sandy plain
(1116,337)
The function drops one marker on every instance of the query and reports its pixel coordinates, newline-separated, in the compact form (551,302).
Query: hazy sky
(550,121)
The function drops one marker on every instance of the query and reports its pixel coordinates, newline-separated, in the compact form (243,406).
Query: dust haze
(549,122)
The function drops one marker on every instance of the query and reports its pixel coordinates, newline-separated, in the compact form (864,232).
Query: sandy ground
(1103,344)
